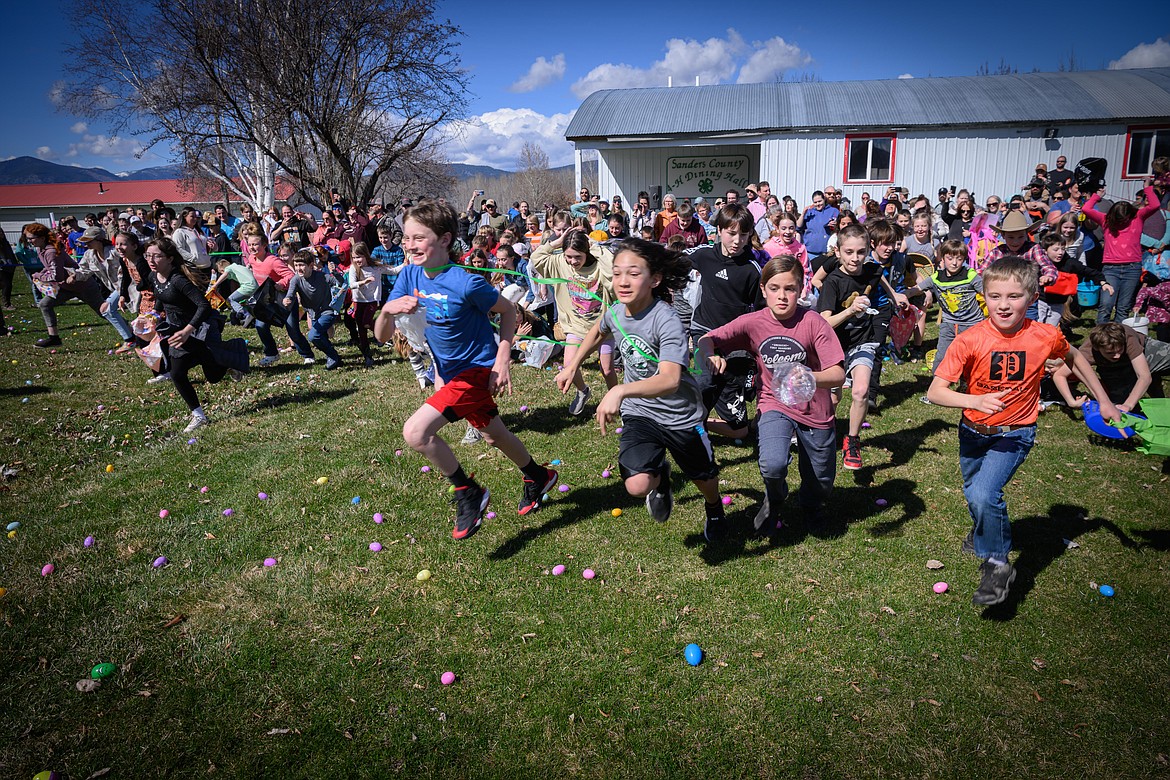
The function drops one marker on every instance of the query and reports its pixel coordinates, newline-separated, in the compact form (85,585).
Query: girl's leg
(1130,277)
(1106,305)
(48,307)
(605,357)
(180,368)
(264,331)
(817,462)
(114,317)
(774,447)
(571,348)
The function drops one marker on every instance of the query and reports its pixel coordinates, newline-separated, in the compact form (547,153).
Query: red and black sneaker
(851,460)
(471,501)
(534,492)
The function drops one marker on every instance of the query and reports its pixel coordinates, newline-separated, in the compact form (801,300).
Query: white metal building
(985,133)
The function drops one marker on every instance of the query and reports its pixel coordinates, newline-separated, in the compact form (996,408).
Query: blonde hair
(1014,269)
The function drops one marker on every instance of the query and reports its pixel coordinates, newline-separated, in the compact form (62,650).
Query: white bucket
(1139,323)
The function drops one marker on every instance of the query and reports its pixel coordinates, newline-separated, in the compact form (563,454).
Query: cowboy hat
(1015,222)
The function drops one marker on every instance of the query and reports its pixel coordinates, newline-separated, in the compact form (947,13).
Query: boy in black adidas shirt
(729,282)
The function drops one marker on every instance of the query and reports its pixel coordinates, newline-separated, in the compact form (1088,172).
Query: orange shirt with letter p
(992,361)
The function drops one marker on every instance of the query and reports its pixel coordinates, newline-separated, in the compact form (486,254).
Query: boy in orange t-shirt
(1003,360)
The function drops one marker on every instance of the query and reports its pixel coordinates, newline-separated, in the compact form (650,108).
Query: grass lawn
(827,654)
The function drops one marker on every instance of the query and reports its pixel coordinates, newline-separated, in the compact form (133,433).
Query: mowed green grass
(827,654)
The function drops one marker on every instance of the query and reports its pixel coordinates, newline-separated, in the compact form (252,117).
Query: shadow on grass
(308,395)
(845,507)
(577,505)
(1041,540)
(902,444)
(25,390)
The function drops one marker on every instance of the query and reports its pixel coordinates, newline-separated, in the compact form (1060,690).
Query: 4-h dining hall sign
(709,175)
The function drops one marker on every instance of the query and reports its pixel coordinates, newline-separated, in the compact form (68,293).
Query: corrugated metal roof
(1024,98)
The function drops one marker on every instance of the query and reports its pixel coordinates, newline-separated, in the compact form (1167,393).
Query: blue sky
(531,66)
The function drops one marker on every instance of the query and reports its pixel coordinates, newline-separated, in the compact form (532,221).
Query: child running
(311,287)
(959,290)
(365,284)
(659,403)
(1002,361)
(785,332)
(472,367)
(588,268)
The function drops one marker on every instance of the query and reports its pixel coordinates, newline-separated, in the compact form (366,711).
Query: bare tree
(340,94)
(536,183)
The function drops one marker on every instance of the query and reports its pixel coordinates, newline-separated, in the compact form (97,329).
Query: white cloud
(713,61)
(79,127)
(495,138)
(542,73)
(906,76)
(44,152)
(770,60)
(102,145)
(1144,55)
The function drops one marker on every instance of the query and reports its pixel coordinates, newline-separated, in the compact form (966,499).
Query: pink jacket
(1125,246)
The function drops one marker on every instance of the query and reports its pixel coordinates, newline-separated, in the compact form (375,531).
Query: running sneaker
(660,500)
(309,361)
(995,580)
(158,379)
(715,526)
(197,422)
(534,492)
(48,341)
(577,407)
(269,360)
(472,436)
(852,457)
(471,500)
(765,523)
(236,374)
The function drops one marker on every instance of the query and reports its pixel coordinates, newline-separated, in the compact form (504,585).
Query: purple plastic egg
(190,441)
(425,469)
(89,541)
(490,516)
(563,488)
(378,517)
(558,570)
(605,474)
(262,496)
(228,512)
(398,453)
(159,562)
(866,425)
(618,431)
(269,561)
(524,408)
(881,502)
(375,547)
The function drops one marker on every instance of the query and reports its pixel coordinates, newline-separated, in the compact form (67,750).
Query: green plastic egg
(102,671)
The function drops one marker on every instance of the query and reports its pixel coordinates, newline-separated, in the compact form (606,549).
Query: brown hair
(440,219)
(1107,336)
(782,264)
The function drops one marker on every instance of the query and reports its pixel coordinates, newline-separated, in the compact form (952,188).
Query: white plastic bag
(413,326)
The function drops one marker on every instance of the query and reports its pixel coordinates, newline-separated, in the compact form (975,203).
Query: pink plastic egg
(605,474)
(447,678)
(375,547)
(204,489)
(940,587)
(47,569)
(490,516)
(589,574)
(558,570)
(163,513)
(727,501)
(425,469)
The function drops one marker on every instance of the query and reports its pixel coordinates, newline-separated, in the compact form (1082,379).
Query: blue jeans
(236,301)
(816,459)
(319,334)
(1124,278)
(988,464)
(293,326)
(115,318)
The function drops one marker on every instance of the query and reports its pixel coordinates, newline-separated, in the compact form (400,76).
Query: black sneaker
(765,523)
(660,500)
(471,502)
(48,341)
(534,492)
(968,546)
(994,581)
(715,527)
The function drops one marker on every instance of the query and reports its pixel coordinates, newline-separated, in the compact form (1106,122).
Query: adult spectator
(8,264)
(960,229)
(228,221)
(519,222)
(1072,201)
(732,196)
(664,217)
(942,208)
(492,218)
(1060,178)
(294,228)
(764,223)
(755,204)
(817,223)
(1036,198)
(192,245)
(642,215)
(833,197)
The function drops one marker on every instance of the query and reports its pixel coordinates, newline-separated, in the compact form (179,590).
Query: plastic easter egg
(605,474)
(159,562)
(881,502)
(109,468)
(423,575)
(693,653)
(375,547)
(425,469)
(24,400)
(228,512)
(447,678)
(490,516)
(100,407)
(47,569)
(191,441)
(262,496)
(102,671)
(866,425)
(544,497)
(558,570)
(616,512)
(355,500)
(1106,591)
(618,431)
(269,562)
(378,517)
(204,489)
(522,408)
(163,513)
(13,525)
(727,501)
(89,541)
(12,534)
(556,462)
(563,488)
(738,442)
(322,480)
(3,592)
(940,587)
(47,774)
(589,574)
(398,453)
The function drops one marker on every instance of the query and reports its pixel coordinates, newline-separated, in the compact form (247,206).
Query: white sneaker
(309,361)
(197,421)
(472,436)
(268,360)
(578,404)
(155,380)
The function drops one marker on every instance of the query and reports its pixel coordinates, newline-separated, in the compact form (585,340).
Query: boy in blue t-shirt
(471,368)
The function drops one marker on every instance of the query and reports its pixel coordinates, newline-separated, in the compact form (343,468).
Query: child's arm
(1060,379)
(1090,209)
(898,298)
(592,341)
(664,382)
(859,305)
(819,277)
(384,324)
(706,355)
(500,378)
(1080,366)
(941,394)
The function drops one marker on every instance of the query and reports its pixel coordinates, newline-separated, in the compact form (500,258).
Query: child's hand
(609,408)
(1108,288)
(1078,402)
(860,304)
(500,378)
(989,403)
(404,305)
(287,302)
(524,328)
(901,300)
(1111,413)
(717,363)
(564,380)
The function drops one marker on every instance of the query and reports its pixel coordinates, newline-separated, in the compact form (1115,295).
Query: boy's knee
(640,484)
(414,434)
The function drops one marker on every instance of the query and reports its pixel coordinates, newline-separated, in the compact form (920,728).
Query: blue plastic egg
(694,654)
(13,525)
(1106,591)
(356,500)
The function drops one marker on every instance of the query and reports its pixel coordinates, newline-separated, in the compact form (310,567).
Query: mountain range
(32,170)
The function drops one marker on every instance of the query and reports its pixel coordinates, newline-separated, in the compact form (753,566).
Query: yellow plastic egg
(616,513)
(322,480)
(109,468)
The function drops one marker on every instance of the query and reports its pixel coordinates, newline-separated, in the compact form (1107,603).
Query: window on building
(869,158)
(1142,145)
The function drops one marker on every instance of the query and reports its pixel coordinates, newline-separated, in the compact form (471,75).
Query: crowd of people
(698,311)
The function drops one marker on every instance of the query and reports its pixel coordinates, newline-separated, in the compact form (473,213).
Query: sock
(713,508)
(997,561)
(534,472)
(459,479)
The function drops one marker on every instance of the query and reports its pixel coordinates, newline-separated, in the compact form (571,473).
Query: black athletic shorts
(645,442)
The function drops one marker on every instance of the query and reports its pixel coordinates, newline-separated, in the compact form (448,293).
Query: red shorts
(466,397)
